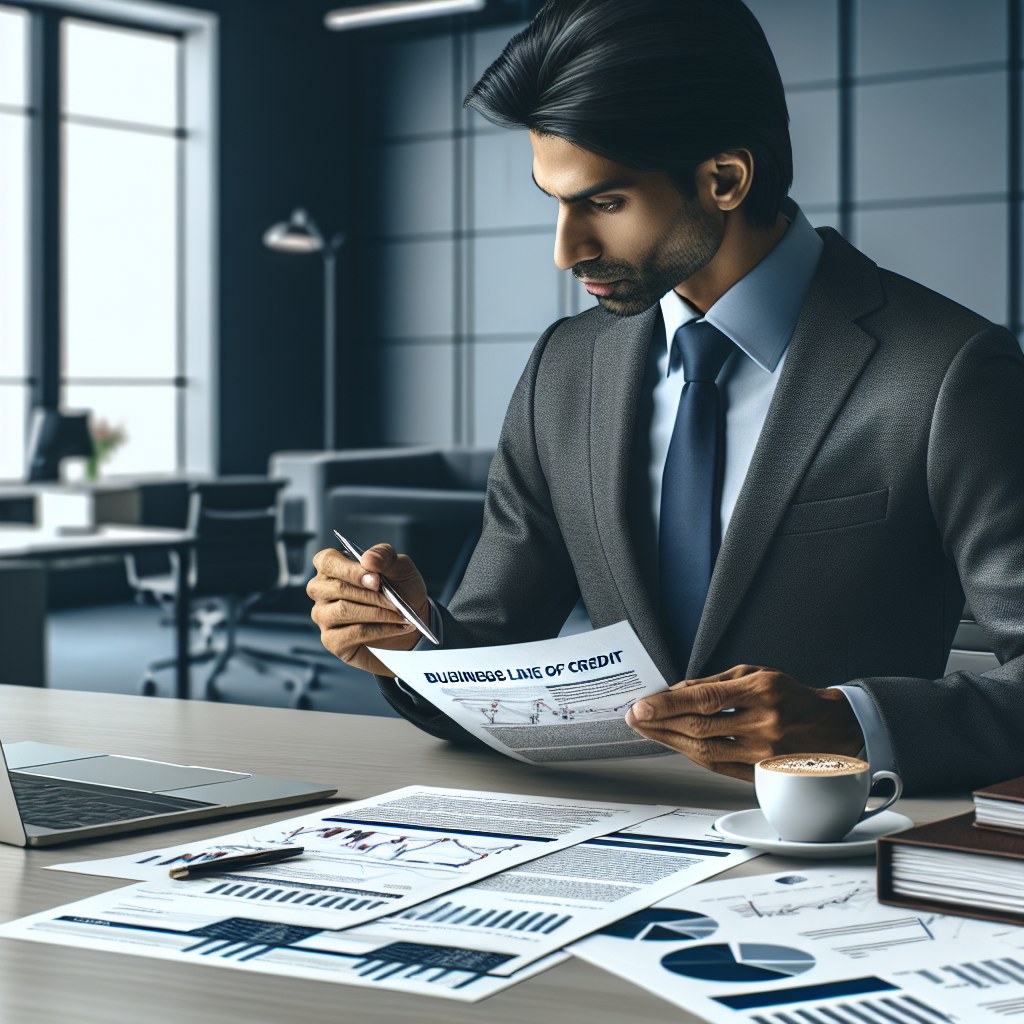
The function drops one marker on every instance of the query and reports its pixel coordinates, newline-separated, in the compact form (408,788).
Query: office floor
(107,647)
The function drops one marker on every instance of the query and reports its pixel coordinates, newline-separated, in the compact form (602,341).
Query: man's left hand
(730,721)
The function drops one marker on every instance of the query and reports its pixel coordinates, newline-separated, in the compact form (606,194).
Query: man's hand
(351,612)
(772,714)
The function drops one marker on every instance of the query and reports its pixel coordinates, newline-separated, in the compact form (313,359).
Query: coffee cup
(817,798)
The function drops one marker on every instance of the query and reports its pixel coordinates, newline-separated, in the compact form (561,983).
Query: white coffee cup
(817,798)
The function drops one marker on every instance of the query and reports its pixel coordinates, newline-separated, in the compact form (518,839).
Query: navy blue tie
(690,530)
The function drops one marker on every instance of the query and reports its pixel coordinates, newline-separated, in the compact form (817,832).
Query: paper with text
(146,919)
(535,909)
(549,700)
(807,944)
(374,857)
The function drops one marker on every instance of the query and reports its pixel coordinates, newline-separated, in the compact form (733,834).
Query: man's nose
(574,242)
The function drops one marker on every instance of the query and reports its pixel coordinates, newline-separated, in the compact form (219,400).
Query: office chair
(238,557)
(971,651)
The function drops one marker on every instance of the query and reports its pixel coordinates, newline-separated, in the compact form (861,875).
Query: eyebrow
(608,185)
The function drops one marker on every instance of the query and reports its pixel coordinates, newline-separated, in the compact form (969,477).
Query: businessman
(783,465)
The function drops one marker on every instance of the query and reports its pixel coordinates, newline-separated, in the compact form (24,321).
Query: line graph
(793,904)
(560,702)
(384,846)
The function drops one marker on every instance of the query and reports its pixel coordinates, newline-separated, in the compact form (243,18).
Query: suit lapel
(827,354)
(619,361)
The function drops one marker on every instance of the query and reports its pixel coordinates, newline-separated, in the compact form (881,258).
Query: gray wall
(900,127)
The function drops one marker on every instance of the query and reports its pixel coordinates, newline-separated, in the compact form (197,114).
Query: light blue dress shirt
(758,314)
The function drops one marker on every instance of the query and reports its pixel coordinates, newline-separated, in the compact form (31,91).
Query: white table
(30,543)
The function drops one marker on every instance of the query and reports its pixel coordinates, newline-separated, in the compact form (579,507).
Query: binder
(957,834)
(1011,792)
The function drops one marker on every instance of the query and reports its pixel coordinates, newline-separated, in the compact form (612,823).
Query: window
(121,132)
(106,175)
(14,141)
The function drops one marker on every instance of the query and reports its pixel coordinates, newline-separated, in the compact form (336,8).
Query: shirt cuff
(877,749)
(436,627)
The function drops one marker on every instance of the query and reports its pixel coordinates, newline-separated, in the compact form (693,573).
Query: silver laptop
(54,794)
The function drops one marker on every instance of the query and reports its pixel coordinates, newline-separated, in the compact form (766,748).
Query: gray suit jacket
(887,482)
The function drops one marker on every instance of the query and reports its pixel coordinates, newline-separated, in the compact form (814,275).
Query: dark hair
(651,84)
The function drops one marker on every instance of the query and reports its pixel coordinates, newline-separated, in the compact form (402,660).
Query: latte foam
(815,764)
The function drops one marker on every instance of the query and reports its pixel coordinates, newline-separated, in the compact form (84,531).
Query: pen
(390,593)
(238,860)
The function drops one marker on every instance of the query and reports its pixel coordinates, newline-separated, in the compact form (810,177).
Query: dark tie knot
(702,348)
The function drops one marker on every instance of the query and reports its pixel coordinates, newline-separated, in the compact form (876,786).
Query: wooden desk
(31,543)
(362,756)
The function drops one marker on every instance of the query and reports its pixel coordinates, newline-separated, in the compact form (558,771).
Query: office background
(906,124)
(906,135)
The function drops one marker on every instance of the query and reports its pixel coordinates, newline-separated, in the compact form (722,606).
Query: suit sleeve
(967,729)
(520,584)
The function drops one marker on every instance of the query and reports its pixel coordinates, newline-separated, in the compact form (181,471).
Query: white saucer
(751,828)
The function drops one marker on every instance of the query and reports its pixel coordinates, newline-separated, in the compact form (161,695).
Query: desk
(362,756)
(26,542)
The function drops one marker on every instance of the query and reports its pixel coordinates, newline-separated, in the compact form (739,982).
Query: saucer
(751,828)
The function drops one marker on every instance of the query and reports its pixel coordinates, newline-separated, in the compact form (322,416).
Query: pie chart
(741,961)
(654,925)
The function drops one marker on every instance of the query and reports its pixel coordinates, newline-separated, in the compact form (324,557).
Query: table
(362,756)
(26,542)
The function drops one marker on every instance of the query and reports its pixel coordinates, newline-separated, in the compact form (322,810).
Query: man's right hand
(351,612)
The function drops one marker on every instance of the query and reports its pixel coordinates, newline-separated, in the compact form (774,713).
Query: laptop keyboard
(59,805)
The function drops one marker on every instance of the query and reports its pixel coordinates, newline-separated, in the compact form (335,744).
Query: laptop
(51,794)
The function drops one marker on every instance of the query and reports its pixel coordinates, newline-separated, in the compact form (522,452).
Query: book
(950,867)
(1000,807)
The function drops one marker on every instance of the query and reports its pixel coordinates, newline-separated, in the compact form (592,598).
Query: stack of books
(971,864)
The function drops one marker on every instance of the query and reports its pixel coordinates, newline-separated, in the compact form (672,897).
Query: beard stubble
(689,247)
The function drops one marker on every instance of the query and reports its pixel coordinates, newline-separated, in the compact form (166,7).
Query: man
(761,449)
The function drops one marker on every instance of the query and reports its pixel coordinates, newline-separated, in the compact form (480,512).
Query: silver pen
(390,593)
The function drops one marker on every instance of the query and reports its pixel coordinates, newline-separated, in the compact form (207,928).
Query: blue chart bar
(471,917)
(296,897)
(558,924)
(802,993)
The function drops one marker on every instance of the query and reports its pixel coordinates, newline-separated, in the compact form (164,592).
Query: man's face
(628,235)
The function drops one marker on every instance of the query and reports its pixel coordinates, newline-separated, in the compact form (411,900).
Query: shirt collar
(759,312)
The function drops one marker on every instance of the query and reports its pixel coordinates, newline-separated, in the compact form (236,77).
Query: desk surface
(32,542)
(362,756)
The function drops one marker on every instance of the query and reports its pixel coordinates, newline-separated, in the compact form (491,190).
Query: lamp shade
(55,436)
(298,234)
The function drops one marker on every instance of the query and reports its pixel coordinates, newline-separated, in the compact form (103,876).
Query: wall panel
(959,251)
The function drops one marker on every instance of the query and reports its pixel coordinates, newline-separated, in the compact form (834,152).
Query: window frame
(196,379)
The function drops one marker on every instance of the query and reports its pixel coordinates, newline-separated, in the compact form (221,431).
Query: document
(531,911)
(379,856)
(549,700)
(808,945)
(153,921)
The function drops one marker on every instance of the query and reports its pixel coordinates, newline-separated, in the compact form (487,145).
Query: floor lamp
(300,234)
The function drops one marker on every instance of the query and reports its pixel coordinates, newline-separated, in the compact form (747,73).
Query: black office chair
(971,651)
(238,558)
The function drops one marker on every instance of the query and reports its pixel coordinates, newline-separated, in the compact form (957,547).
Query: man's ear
(725,180)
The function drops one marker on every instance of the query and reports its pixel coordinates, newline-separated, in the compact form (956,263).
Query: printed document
(150,920)
(529,912)
(379,856)
(549,700)
(811,944)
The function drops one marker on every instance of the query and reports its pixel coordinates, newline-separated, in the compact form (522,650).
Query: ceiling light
(345,18)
